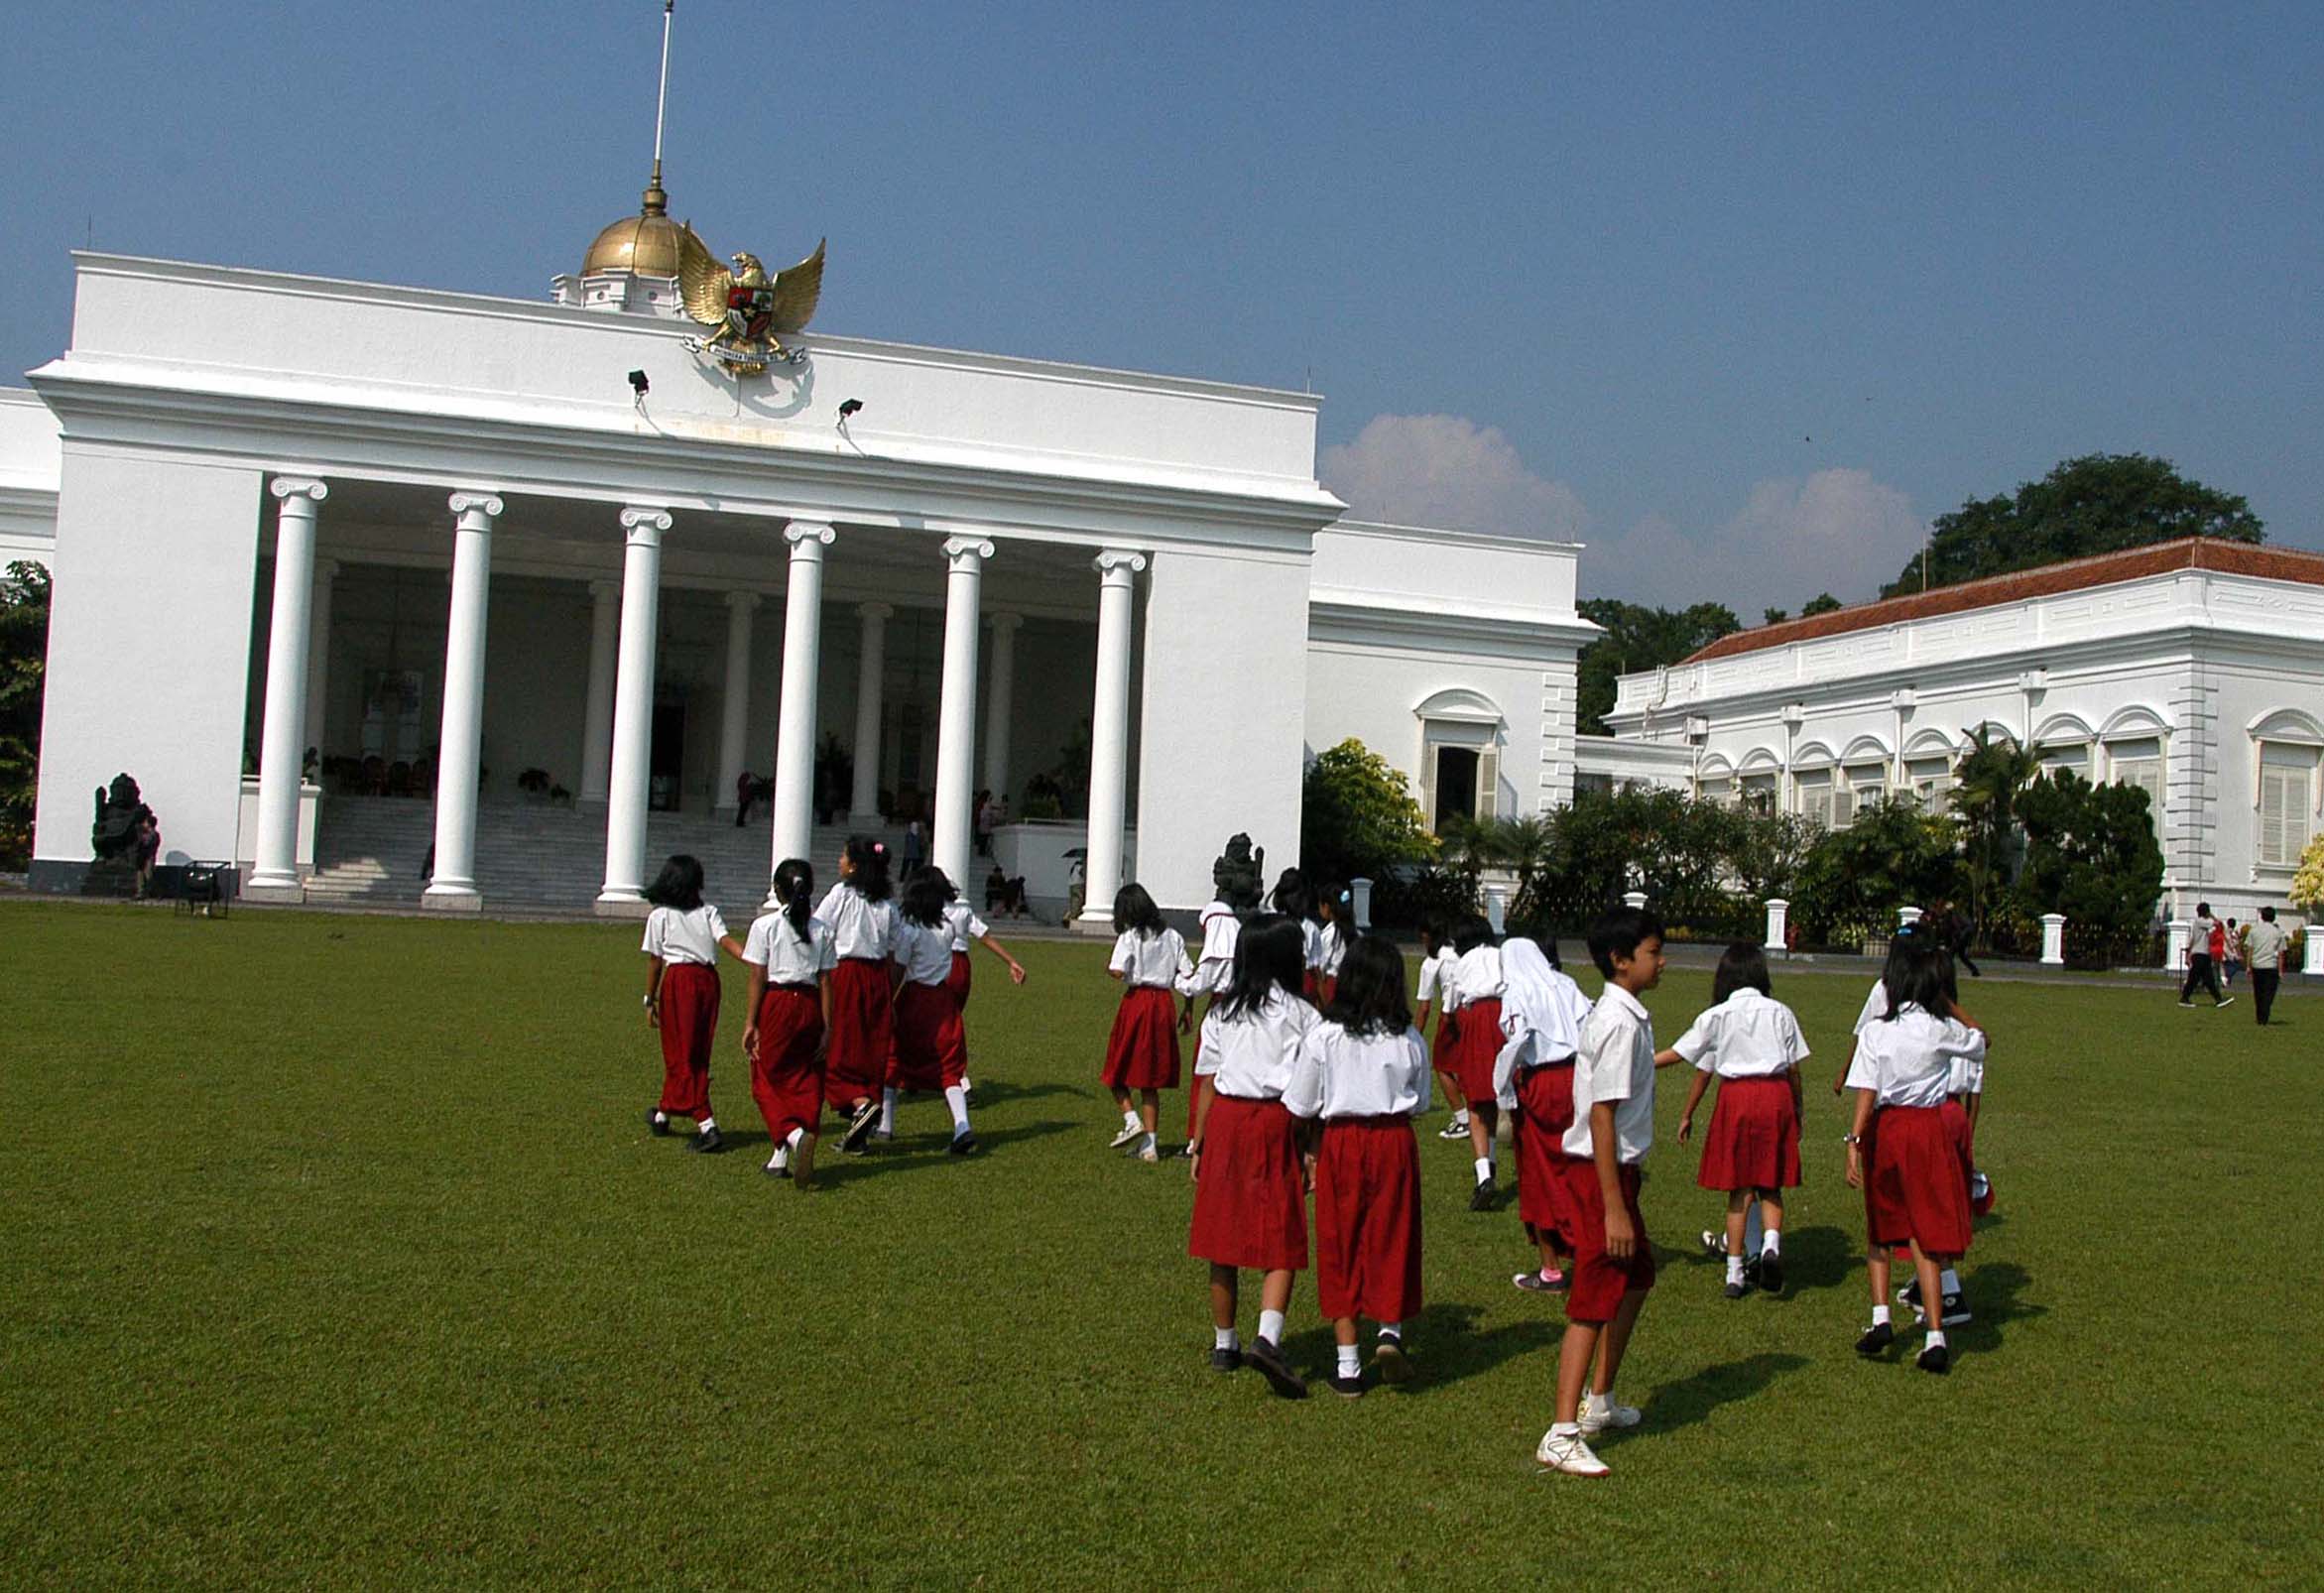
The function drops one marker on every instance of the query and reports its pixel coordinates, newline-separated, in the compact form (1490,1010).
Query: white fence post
(1633,898)
(1779,917)
(2053,940)
(1497,907)
(1360,898)
(1907,918)
(2175,945)
(2312,961)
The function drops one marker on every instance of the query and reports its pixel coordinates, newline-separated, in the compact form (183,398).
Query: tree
(24,656)
(1991,777)
(2091,854)
(1821,603)
(1892,856)
(1357,817)
(2099,503)
(1638,638)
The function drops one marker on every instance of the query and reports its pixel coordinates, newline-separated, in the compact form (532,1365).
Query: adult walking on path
(2206,949)
(2264,947)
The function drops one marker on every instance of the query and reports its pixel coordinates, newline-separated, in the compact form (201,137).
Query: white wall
(29,460)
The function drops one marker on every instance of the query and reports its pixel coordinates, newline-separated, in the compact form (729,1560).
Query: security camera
(849,408)
(638,383)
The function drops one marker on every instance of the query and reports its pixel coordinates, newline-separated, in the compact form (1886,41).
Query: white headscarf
(1541,1013)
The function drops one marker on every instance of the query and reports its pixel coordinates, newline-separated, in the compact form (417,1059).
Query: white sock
(779,1161)
(793,1138)
(707,1125)
(1594,1401)
(1936,1338)
(1351,1361)
(1565,1430)
(957,1098)
(1484,1168)
(964,1084)
(1129,1120)
(1394,1330)
(1734,1269)
(1880,1317)
(888,1111)
(1270,1326)
(1148,1144)
(1949,1280)
(661,1116)
(1224,1338)
(1460,1120)
(1773,1244)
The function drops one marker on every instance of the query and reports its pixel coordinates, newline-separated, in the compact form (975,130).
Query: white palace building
(355,578)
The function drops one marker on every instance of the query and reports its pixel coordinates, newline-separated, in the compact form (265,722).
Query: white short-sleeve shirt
(689,936)
(1250,1055)
(1913,1060)
(1150,960)
(1221,929)
(1746,1035)
(1475,977)
(1312,934)
(1436,972)
(1616,1066)
(1336,949)
(1339,1074)
(924,954)
(860,928)
(788,958)
(1874,1007)
(966,925)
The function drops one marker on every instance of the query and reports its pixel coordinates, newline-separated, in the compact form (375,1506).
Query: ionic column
(633,713)
(795,724)
(863,802)
(1000,688)
(319,654)
(274,874)
(1109,734)
(597,715)
(734,723)
(955,840)
(459,752)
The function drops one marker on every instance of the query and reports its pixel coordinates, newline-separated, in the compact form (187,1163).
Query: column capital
(485,502)
(800,533)
(326,569)
(742,602)
(878,613)
(1118,558)
(1005,621)
(308,487)
(966,552)
(645,524)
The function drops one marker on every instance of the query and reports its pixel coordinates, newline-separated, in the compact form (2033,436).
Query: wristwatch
(650,1000)
(1851,1138)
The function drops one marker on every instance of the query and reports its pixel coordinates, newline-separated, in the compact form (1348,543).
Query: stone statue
(123,839)
(1240,874)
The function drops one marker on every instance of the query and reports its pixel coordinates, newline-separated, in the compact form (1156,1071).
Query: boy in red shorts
(1612,1127)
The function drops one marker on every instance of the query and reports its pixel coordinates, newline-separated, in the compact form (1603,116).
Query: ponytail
(794,889)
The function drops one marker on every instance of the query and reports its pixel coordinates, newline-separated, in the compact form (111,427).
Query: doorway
(1456,786)
(665,762)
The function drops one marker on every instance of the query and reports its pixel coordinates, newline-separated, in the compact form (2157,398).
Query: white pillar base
(621,907)
(451,899)
(273,893)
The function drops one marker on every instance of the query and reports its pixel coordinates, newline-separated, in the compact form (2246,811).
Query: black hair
(925,899)
(1433,934)
(1369,1000)
(1916,977)
(2202,910)
(795,888)
(869,859)
(1619,931)
(1271,954)
(1133,909)
(930,870)
(1470,932)
(2269,913)
(1743,966)
(679,885)
(1293,897)
(1339,902)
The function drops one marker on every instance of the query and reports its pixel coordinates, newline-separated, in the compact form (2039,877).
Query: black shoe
(1185,1153)
(859,1127)
(709,1141)
(1347,1388)
(1389,1356)
(1771,1272)
(963,1144)
(1482,1199)
(783,1172)
(1956,1311)
(658,1121)
(1738,1289)
(1264,1355)
(1226,1360)
(1876,1340)
(1935,1358)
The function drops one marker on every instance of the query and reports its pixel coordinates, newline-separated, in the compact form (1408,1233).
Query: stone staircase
(537,858)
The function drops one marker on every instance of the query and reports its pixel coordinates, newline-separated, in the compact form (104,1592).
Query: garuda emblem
(750,310)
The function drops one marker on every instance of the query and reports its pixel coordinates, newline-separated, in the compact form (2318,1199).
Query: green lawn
(333,1252)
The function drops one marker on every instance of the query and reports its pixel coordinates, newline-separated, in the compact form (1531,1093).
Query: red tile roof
(2074,575)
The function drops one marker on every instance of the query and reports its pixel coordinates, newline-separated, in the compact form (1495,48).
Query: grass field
(334,1253)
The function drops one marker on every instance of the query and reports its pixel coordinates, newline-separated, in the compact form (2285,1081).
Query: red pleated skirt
(1916,1180)
(1194,1084)
(931,1049)
(786,1076)
(1478,1050)
(690,1026)
(1544,1111)
(1444,1056)
(1250,1195)
(863,1031)
(1143,1052)
(1753,1138)
(1368,1219)
(1327,992)
(1313,987)
(959,979)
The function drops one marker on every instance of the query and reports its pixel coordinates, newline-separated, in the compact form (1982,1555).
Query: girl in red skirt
(1250,1183)
(862,1035)
(1476,997)
(1213,971)
(1906,1150)
(1752,1042)
(931,1053)
(1542,1014)
(1295,899)
(967,928)
(790,955)
(1149,958)
(682,937)
(1335,906)
(1436,991)
(1364,1072)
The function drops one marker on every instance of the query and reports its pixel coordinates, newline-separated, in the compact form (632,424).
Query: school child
(789,955)
(1250,1183)
(1335,906)
(1295,900)
(1142,1055)
(1542,1014)
(682,937)
(1903,1153)
(931,1053)
(1752,1043)
(1436,960)
(1213,971)
(1613,1128)
(968,928)
(1364,1072)
(861,916)
(1476,996)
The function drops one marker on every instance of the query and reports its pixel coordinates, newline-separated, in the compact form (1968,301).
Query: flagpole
(661,99)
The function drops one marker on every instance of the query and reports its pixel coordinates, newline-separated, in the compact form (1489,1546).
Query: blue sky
(1740,296)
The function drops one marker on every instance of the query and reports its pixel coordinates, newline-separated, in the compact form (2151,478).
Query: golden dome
(644,244)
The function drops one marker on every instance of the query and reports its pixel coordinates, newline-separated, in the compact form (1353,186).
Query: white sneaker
(1457,1129)
(1714,1243)
(1131,1134)
(1601,1411)
(1566,1452)
(1149,1153)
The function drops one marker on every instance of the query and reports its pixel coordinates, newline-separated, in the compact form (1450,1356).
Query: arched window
(2288,767)
(1461,732)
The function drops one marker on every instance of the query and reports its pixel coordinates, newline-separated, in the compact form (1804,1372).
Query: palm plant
(1991,777)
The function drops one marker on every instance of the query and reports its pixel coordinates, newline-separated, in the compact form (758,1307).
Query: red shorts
(1916,1180)
(1142,1051)
(1478,1048)
(1544,1111)
(689,1026)
(1251,1193)
(1599,1281)
(931,1051)
(1368,1219)
(1753,1138)
(786,1076)
(863,1031)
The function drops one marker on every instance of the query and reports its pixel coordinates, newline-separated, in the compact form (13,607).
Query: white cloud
(1840,531)
(1446,470)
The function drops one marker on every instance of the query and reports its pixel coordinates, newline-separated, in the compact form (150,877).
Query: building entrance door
(665,763)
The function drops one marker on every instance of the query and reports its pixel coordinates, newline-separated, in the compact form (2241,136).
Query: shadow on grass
(1997,1293)
(916,1151)
(1692,1398)
(994,1092)
(1443,1342)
